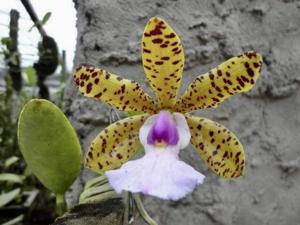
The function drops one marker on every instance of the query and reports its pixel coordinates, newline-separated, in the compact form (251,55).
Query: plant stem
(61,204)
(142,211)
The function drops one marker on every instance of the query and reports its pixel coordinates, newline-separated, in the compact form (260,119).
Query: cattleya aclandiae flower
(166,127)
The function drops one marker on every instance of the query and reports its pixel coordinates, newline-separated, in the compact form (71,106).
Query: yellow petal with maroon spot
(163,60)
(115,144)
(125,95)
(217,146)
(236,75)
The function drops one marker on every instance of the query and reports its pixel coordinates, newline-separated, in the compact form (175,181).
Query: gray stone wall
(267,119)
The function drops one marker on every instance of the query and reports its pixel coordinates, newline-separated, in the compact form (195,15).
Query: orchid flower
(165,126)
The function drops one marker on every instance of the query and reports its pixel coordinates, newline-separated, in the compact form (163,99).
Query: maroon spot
(107,76)
(96,81)
(218,89)
(165,58)
(174,43)
(159,62)
(156,30)
(215,99)
(98,95)
(256,65)
(211,76)
(225,155)
(77,82)
(175,62)
(219,72)
(240,82)
(123,88)
(94,74)
(89,88)
(119,156)
(148,60)
(100,166)
(147,67)
(250,54)
(245,79)
(163,46)
(227,74)
(157,41)
(147,34)
(81,83)
(176,53)
(172,35)
(250,72)
(146,50)
(246,64)
(174,49)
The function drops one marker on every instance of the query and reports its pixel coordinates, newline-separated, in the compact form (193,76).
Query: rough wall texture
(267,119)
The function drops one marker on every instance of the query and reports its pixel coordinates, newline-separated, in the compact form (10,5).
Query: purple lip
(164,129)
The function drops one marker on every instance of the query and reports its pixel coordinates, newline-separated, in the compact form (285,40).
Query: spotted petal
(236,75)
(217,146)
(115,145)
(163,60)
(121,93)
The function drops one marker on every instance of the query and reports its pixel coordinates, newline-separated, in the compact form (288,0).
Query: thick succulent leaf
(11,177)
(115,144)
(49,145)
(6,198)
(236,75)
(163,60)
(217,146)
(125,95)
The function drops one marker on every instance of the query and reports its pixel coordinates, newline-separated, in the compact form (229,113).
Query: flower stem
(61,204)
(142,211)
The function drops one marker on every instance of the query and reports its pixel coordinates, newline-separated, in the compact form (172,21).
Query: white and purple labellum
(164,130)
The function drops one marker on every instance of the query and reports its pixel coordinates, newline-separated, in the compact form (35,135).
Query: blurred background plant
(23,198)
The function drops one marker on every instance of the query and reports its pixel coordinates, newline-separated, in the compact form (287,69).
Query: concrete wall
(267,119)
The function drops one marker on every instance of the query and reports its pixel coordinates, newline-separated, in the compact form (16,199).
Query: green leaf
(6,198)
(15,220)
(45,18)
(49,145)
(42,22)
(31,76)
(10,161)
(6,41)
(10,177)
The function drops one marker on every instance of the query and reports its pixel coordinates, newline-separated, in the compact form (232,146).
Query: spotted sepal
(217,146)
(124,94)
(236,75)
(163,60)
(115,144)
